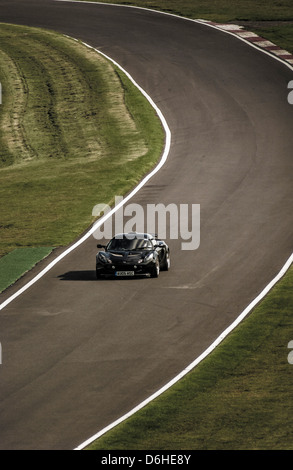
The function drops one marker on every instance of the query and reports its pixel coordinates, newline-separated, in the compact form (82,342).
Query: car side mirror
(101,246)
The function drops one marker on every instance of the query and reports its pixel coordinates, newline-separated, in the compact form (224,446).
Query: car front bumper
(124,269)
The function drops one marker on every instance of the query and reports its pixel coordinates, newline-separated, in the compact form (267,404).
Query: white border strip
(118,206)
(196,361)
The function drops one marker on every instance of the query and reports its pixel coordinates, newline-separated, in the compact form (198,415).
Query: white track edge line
(124,201)
(193,364)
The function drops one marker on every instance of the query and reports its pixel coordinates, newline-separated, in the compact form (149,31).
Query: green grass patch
(238,398)
(74,132)
(247,12)
(18,262)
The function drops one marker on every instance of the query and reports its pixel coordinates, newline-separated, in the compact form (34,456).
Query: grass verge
(74,132)
(238,398)
(18,262)
(268,18)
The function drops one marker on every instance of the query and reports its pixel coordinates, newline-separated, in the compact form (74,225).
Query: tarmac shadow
(78,276)
(90,275)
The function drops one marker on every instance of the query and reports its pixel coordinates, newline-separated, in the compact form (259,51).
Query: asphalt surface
(79,353)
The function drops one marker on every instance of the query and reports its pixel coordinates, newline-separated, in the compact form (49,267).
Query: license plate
(124,273)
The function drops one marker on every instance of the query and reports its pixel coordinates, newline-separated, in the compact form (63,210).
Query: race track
(79,353)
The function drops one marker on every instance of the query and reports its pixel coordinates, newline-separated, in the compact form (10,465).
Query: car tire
(166,265)
(156,271)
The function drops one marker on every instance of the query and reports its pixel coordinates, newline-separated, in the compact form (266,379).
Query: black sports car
(132,254)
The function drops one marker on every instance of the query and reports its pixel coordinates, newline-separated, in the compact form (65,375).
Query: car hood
(117,256)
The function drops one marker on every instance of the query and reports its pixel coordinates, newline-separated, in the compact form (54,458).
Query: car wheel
(156,271)
(167,262)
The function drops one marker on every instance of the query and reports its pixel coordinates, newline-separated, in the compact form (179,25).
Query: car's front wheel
(156,270)
(167,262)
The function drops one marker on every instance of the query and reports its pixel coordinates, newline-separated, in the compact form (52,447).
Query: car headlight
(104,258)
(148,258)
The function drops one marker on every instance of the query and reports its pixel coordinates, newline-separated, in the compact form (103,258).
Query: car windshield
(129,244)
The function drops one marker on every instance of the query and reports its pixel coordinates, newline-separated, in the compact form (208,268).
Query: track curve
(78,354)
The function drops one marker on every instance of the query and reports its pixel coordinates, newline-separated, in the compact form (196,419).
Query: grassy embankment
(74,132)
(268,18)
